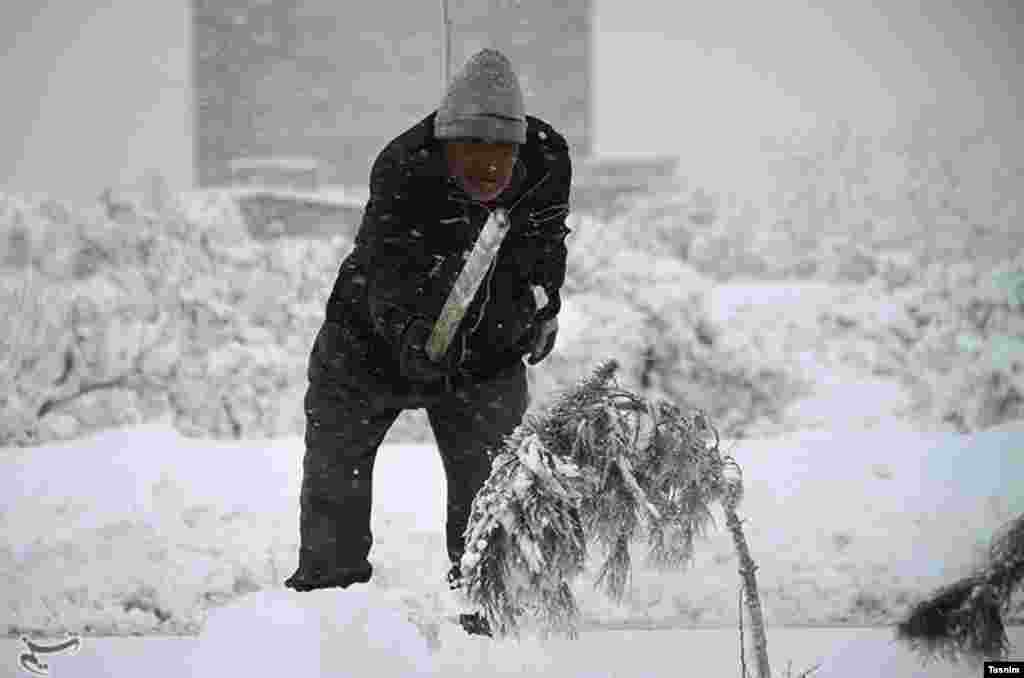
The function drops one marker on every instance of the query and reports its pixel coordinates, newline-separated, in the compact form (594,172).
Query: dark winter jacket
(417,227)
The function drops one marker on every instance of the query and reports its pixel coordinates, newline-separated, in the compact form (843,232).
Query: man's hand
(544,341)
(413,361)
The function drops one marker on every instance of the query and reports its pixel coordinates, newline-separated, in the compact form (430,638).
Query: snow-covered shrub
(837,201)
(250,326)
(972,354)
(667,222)
(955,333)
(73,330)
(30,352)
(647,309)
(121,313)
(131,309)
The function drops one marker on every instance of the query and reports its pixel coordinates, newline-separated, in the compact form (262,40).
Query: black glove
(543,340)
(413,361)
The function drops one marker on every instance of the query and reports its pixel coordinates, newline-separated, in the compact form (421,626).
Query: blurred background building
(307,92)
(101,92)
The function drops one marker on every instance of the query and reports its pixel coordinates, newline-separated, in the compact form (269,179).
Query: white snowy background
(845,302)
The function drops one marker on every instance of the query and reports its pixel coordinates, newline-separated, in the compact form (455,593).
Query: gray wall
(336,81)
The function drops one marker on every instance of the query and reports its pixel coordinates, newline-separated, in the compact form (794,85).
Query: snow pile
(288,633)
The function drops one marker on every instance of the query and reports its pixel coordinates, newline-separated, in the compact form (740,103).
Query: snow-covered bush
(834,202)
(955,334)
(182,310)
(971,356)
(120,314)
(29,354)
(76,331)
(627,298)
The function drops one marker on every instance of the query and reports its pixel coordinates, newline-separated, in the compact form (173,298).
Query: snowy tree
(964,620)
(602,467)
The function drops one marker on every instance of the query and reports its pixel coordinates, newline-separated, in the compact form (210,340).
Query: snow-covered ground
(109,534)
(308,650)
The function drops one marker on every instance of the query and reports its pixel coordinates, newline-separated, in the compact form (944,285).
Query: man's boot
(317,576)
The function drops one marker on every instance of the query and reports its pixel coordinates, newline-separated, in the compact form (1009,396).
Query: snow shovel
(467,284)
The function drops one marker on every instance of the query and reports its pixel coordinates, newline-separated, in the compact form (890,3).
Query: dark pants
(345,427)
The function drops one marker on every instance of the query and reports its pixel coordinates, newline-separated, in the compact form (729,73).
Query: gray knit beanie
(483,100)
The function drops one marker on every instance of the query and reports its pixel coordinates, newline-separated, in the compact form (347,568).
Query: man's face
(483,169)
